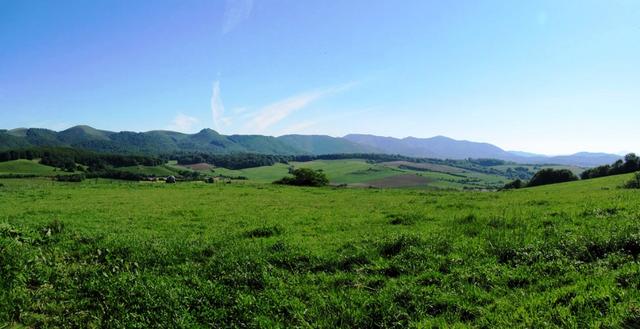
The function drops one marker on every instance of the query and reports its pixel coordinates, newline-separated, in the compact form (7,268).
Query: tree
(631,163)
(516,184)
(305,177)
(551,176)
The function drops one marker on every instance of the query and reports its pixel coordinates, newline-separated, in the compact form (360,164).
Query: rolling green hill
(396,174)
(162,142)
(153,142)
(360,173)
(318,144)
(27,167)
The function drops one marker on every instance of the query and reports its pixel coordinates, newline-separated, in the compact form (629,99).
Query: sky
(552,77)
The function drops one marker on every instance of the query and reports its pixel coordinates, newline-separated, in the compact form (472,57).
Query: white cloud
(217,108)
(280,110)
(235,12)
(183,123)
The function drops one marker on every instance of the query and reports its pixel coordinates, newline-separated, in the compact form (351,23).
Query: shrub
(305,177)
(117,174)
(75,178)
(18,175)
(516,184)
(634,182)
(552,176)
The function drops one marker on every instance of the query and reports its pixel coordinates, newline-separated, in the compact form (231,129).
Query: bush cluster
(305,177)
(75,178)
(634,182)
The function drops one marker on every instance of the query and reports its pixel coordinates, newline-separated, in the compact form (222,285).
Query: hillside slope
(320,144)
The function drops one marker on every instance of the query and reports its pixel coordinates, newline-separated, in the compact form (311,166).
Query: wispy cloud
(303,126)
(183,123)
(298,127)
(235,12)
(217,107)
(280,110)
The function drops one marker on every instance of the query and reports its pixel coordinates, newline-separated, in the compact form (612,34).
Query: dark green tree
(305,177)
(516,184)
(551,176)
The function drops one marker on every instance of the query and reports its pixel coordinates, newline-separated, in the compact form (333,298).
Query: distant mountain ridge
(207,140)
(162,141)
(445,147)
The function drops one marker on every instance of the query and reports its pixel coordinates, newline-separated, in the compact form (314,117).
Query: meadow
(112,254)
(27,167)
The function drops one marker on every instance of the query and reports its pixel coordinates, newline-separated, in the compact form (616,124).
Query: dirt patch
(424,166)
(199,166)
(407,180)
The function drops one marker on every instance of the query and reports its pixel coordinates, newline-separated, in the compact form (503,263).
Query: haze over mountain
(445,147)
(207,140)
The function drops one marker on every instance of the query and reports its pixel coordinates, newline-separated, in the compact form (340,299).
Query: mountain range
(207,140)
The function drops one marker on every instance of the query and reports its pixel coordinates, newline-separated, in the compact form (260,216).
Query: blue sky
(551,77)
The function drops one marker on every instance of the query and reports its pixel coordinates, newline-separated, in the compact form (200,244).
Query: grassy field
(27,167)
(351,172)
(360,173)
(396,174)
(113,254)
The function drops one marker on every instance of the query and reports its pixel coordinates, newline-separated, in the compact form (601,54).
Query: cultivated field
(112,254)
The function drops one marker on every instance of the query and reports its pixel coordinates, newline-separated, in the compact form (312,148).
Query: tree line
(251,160)
(631,163)
(69,158)
(544,177)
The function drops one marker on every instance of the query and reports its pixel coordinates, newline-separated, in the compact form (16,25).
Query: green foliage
(305,177)
(630,164)
(74,178)
(516,184)
(149,143)
(633,183)
(551,176)
(67,158)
